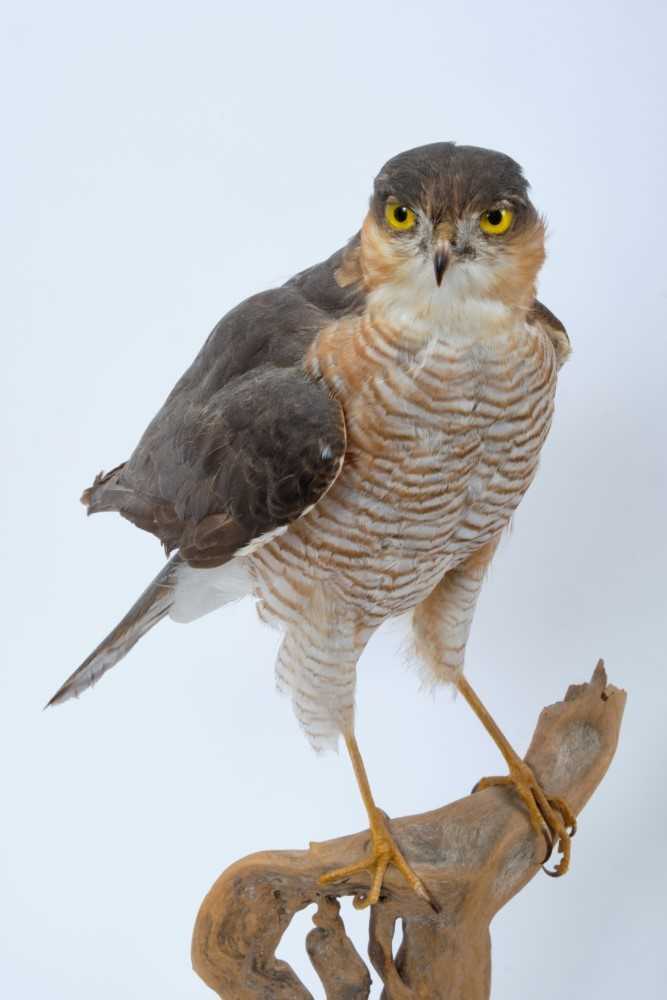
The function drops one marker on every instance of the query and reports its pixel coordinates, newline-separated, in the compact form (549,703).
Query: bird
(350,447)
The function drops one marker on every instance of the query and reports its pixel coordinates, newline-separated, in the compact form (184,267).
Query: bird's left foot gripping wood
(549,816)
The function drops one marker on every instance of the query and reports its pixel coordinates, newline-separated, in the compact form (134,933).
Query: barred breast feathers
(448,396)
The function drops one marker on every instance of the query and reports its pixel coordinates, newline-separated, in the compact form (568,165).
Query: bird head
(450,223)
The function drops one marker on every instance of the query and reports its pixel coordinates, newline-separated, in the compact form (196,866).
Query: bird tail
(146,612)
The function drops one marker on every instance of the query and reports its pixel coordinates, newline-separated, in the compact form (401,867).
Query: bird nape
(350,446)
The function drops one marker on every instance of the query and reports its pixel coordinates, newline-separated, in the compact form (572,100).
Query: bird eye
(496,221)
(399,216)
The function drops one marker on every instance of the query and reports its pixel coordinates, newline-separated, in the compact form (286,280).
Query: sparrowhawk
(350,447)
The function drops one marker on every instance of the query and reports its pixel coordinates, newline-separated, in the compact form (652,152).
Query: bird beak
(440,261)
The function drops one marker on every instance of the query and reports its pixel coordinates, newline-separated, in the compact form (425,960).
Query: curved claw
(384,851)
(378,868)
(569,818)
(564,838)
(550,844)
(551,817)
(361,901)
(564,863)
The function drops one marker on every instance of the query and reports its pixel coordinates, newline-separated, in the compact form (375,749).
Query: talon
(561,868)
(428,898)
(568,817)
(550,844)
(384,851)
(553,818)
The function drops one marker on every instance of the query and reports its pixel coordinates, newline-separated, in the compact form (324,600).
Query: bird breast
(443,441)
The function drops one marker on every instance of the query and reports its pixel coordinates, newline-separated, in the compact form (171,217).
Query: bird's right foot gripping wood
(384,849)
(384,852)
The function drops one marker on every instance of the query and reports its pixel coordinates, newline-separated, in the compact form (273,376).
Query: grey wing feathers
(146,612)
(262,456)
(219,475)
(246,440)
(245,443)
(539,315)
(334,285)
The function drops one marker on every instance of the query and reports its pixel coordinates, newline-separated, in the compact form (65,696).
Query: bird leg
(550,817)
(384,850)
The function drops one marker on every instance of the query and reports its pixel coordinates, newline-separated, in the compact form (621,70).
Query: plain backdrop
(160,162)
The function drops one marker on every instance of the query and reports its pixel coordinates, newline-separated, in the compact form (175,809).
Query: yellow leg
(550,817)
(384,849)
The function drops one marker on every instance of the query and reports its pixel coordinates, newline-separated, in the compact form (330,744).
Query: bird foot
(384,852)
(551,817)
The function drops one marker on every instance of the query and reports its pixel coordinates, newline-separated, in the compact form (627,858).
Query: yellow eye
(399,216)
(496,221)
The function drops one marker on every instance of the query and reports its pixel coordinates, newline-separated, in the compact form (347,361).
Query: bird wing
(540,316)
(230,473)
(246,442)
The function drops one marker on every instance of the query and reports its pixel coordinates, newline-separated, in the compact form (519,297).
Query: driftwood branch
(474,855)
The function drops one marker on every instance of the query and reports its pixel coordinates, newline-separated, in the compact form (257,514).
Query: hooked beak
(440,261)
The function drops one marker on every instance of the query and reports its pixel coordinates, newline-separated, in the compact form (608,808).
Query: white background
(161,162)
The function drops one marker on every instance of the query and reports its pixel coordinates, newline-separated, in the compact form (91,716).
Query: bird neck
(414,319)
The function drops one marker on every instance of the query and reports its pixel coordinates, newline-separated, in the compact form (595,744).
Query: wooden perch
(474,855)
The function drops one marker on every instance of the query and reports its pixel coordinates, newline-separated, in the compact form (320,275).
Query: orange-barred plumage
(443,442)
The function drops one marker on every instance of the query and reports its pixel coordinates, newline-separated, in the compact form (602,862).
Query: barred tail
(146,612)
